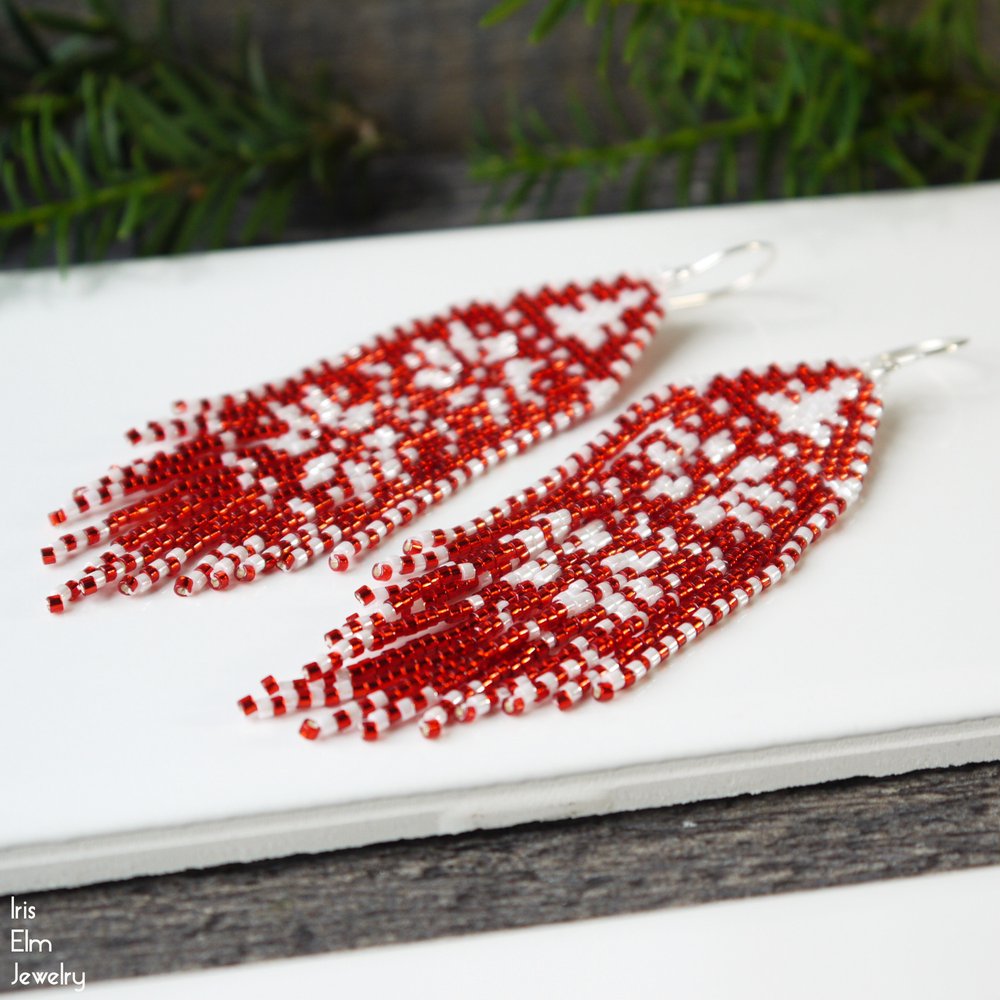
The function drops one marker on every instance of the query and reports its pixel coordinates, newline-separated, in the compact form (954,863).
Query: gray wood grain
(427,72)
(843,832)
(425,69)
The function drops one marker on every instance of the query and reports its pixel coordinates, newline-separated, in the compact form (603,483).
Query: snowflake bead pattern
(336,458)
(696,501)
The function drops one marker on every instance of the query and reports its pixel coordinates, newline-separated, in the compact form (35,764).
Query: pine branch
(764,19)
(501,167)
(812,96)
(109,140)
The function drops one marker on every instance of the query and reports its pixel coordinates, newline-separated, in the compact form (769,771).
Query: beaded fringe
(333,460)
(692,504)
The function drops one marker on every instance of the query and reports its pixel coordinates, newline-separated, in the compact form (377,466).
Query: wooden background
(842,832)
(427,72)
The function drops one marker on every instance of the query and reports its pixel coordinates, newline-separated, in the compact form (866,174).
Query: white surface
(119,717)
(927,937)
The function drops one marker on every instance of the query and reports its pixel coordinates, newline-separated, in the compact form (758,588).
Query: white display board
(122,748)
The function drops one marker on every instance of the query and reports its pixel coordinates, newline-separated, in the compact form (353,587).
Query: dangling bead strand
(332,461)
(693,503)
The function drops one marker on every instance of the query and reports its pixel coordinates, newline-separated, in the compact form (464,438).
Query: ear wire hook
(889,361)
(675,276)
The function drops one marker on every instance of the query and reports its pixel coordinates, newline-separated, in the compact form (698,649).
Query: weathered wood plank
(850,831)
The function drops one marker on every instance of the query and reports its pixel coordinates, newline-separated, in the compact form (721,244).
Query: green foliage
(110,139)
(790,97)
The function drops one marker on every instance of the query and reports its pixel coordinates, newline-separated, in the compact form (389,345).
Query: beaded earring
(695,501)
(334,459)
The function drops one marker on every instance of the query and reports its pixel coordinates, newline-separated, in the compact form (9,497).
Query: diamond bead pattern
(333,460)
(692,504)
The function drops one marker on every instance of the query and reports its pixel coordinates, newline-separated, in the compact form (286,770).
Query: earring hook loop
(888,361)
(675,276)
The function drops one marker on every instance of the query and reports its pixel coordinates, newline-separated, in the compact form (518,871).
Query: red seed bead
(335,458)
(693,503)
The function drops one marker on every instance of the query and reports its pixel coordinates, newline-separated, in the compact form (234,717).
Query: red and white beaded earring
(694,502)
(334,459)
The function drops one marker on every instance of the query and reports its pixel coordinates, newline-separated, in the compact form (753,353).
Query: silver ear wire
(675,276)
(889,361)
